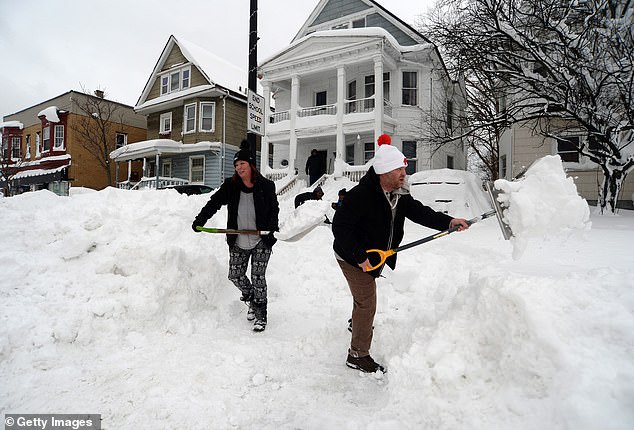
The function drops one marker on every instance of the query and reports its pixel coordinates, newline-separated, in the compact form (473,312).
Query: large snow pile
(543,203)
(110,304)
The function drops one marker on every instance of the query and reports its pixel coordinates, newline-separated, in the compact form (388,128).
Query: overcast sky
(50,47)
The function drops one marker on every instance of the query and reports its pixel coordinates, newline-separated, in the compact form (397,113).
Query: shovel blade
(493,194)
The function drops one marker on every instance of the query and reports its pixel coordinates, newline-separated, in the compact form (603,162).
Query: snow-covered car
(190,189)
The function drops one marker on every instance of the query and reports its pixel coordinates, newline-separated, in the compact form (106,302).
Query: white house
(353,72)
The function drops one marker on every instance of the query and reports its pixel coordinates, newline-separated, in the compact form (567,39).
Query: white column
(292,152)
(341,139)
(378,98)
(264,150)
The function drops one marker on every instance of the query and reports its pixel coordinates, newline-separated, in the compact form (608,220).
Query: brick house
(42,148)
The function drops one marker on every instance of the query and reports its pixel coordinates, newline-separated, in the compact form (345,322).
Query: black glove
(194,225)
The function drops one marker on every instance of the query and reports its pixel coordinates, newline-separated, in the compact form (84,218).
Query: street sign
(255,113)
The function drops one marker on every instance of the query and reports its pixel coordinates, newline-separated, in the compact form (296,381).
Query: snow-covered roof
(173,96)
(217,70)
(353,33)
(37,172)
(12,124)
(148,148)
(50,113)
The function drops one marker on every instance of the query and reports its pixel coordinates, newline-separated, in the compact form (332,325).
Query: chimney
(99,93)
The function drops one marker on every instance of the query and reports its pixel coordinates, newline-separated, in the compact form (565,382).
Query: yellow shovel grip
(383,254)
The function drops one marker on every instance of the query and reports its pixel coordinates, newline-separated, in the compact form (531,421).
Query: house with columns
(353,72)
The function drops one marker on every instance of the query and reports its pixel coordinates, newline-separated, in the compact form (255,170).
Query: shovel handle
(382,254)
(230,231)
(385,254)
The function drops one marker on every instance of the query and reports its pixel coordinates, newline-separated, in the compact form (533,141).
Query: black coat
(364,222)
(264,199)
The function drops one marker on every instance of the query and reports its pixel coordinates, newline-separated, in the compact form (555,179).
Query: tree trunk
(610,189)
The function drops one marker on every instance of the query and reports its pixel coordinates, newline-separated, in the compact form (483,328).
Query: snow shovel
(293,238)
(385,254)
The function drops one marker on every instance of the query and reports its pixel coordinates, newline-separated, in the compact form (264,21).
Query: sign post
(255,113)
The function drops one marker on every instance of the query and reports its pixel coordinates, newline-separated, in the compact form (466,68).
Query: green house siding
(336,9)
(376,20)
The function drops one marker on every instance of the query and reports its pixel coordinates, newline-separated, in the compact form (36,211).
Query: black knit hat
(244,154)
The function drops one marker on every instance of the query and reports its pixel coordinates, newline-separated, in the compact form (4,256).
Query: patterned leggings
(238,261)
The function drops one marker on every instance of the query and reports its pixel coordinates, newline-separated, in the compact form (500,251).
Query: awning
(39,176)
(151,148)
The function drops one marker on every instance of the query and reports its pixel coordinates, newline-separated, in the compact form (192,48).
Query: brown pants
(363,289)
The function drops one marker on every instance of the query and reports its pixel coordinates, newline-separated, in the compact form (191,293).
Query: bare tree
(558,64)
(96,127)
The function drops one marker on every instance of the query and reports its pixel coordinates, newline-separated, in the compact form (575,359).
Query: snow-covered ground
(110,304)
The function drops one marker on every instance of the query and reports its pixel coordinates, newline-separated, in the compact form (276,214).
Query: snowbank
(543,203)
(112,305)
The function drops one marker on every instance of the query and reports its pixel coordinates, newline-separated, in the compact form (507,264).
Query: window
(5,148)
(166,171)
(567,148)
(386,86)
(358,23)
(352,95)
(410,85)
(503,166)
(28,147)
(207,120)
(15,147)
(320,98)
(350,154)
(449,161)
(190,118)
(166,123)
(340,26)
(176,80)
(197,169)
(409,151)
(122,140)
(369,92)
(368,151)
(185,81)
(59,137)
(449,115)
(46,141)
(37,144)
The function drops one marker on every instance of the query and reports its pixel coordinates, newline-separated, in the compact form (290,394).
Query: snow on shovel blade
(499,210)
(544,202)
(303,220)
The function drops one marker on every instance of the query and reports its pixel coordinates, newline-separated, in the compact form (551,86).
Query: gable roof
(377,15)
(217,71)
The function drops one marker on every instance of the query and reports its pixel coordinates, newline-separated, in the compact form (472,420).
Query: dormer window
(175,80)
(358,23)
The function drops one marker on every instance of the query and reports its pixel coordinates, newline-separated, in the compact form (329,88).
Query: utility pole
(253,61)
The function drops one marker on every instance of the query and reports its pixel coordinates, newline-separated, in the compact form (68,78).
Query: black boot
(260,316)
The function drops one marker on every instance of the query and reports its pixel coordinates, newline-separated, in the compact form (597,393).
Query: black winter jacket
(264,199)
(364,221)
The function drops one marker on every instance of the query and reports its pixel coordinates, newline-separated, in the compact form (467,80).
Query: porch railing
(317,110)
(350,106)
(359,106)
(280,116)
(355,173)
(149,183)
